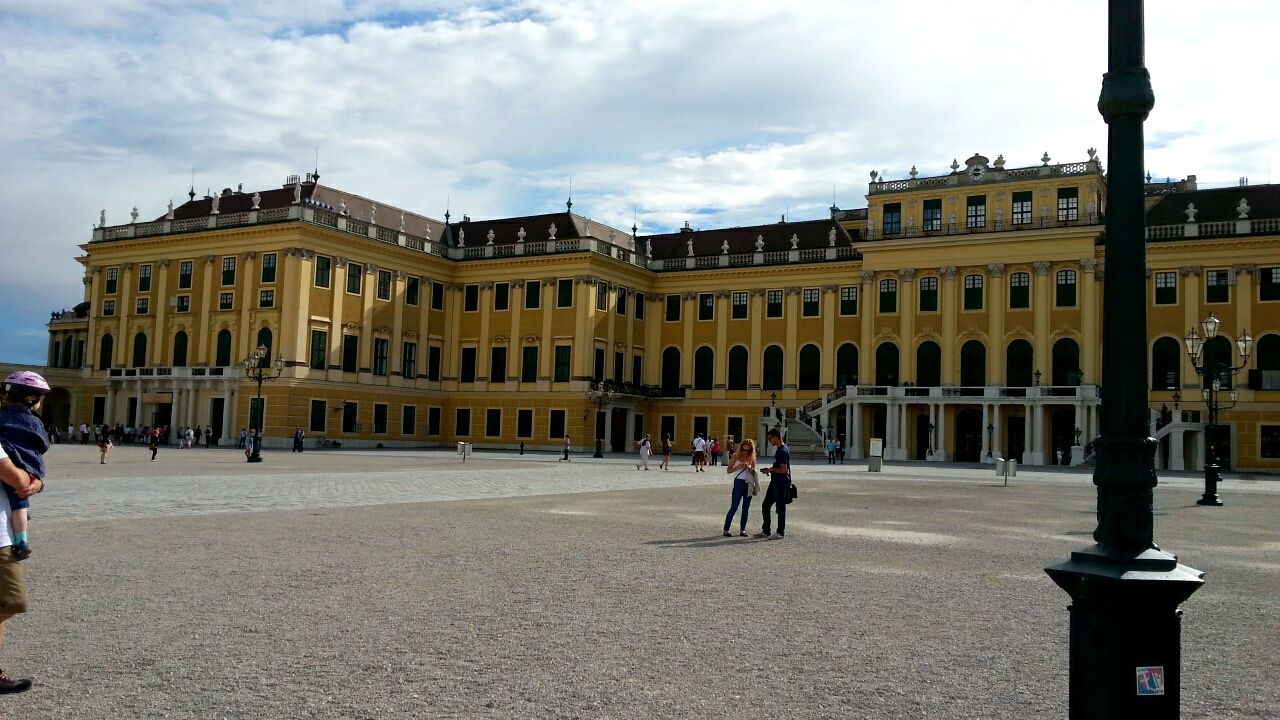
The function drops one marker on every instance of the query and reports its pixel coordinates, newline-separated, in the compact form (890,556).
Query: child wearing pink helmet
(23,437)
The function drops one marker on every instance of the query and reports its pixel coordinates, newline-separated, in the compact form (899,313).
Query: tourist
(742,467)
(715,451)
(25,442)
(84,433)
(666,452)
(646,449)
(154,443)
(1058,454)
(298,436)
(208,436)
(840,449)
(779,492)
(13,587)
(244,437)
(190,436)
(104,446)
(566,449)
(699,453)
(199,434)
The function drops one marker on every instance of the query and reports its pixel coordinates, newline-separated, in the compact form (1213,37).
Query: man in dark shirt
(779,485)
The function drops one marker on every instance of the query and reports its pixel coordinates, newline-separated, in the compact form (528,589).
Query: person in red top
(715,451)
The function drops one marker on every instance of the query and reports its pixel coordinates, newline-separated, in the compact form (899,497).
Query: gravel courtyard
(405,584)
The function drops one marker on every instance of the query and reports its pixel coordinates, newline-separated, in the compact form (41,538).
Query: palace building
(955,318)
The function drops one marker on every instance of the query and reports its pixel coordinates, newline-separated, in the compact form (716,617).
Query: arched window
(810,367)
(140,350)
(738,368)
(671,371)
(180,349)
(887,364)
(847,365)
(67,344)
(1267,352)
(1066,362)
(264,340)
(106,350)
(1217,353)
(1166,364)
(223,356)
(772,379)
(928,364)
(973,364)
(1019,361)
(704,368)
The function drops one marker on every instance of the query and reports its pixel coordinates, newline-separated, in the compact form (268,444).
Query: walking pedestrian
(666,452)
(298,437)
(831,451)
(840,449)
(104,447)
(84,433)
(199,434)
(13,587)
(190,437)
(779,492)
(154,444)
(646,449)
(244,436)
(699,453)
(742,468)
(715,451)
(566,449)
(208,436)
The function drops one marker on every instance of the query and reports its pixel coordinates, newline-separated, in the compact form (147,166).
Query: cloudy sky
(710,111)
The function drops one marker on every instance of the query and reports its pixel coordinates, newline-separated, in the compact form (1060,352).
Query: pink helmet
(27,379)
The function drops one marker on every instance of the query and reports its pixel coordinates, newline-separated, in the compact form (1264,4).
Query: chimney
(686,228)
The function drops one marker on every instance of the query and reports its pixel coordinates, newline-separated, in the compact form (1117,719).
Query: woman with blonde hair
(742,467)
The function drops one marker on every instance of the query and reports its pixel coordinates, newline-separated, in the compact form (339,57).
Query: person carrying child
(24,440)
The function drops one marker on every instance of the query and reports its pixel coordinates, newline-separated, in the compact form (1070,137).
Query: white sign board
(877,448)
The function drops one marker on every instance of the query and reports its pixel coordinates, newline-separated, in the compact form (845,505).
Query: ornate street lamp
(933,438)
(773,400)
(990,429)
(1078,431)
(255,371)
(1125,641)
(1037,377)
(1216,374)
(602,395)
(1177,398)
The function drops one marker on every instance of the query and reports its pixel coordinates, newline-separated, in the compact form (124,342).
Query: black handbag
(792,493)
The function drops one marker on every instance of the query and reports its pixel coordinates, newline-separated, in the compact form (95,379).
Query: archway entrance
(968,438)
(1061,436)
(923,445)
(1017,443)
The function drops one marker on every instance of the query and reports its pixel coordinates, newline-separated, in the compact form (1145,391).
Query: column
(453,317)
(986,444)
(755,357)
(228,416)
(950,308)
(1189,295)
(293,297)
(337,290)
(688,316)
(160,303)
(1040,308)
(483,345)
(124,344)
(1037,441)
(1176,450)
(904,428)
(610,340)
(827,377)
(998,448)
(1242,303)
(176,407)
(585,338)
(996,308)
(652,352)
(721,374)
(890,428)
(1090,343)
(515,353)
(940,449)
(791,362)
(205,332)
(856,445)
(248,334)
(866,353)
(546,363)
(907,301)
(368,288)
(424,327)
(629,351)
(109,413)
(396,354)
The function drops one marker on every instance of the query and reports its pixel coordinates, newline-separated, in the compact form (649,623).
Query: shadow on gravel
(702,542)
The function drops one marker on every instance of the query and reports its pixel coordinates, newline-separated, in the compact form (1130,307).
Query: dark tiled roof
(809,234)
(537,228)
(1216,204)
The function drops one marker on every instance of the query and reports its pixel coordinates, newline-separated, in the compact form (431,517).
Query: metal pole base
(1211,478)
(254,458)
(1209,500)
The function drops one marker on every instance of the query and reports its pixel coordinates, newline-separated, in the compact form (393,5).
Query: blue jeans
(778,493)
(739,496)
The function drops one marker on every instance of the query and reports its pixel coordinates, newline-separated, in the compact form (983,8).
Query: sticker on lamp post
(1151,680)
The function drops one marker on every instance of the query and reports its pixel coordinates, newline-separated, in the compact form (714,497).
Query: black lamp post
(1125,655)
(1177,398)
(1217,375)
(1037,377)
(773,400)
(602,395)
(254,370)
(1078,431)
(990,429)
(933,437)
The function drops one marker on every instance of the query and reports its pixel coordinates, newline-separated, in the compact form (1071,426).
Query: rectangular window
(637,365)
(228,271)
(113,275)
(1166,288)
(108,308)
(892,218)
(501,296)
(269,268)
(319,416)
(564,293)
(620,306)
(602,296)
(184,303)
(437,296)
(809,302)
(1022,208)
(184,275)
(773,304)
(350,352)
(597,373)
(433,362)
(384,284)
(266,298)
(1020,290)
(319,349)
(324,268)
(639,306)
(226,301)
(1216,288)
(467,370)
(972,292)
(144,278)
(142,306)
(433,421)
(493,422)
(524,423)
(498,364)
(1269,283)
(848,300)
(462,422)
(555,426)
(888,296)
(532,294)
(349,411)
(619,360)
(1270,445)
(1068,204)
(409,359)
(408,420)
(928,294)
(381,347)
(739,303)
(976,211)
(380,418)
(470,298)
(529,363)
(706,306)
(412,288)
(355,276)
(932,215)
(673,308)
(562,363)
(1065,295)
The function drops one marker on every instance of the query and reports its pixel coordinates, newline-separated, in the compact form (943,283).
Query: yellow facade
(983,320)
